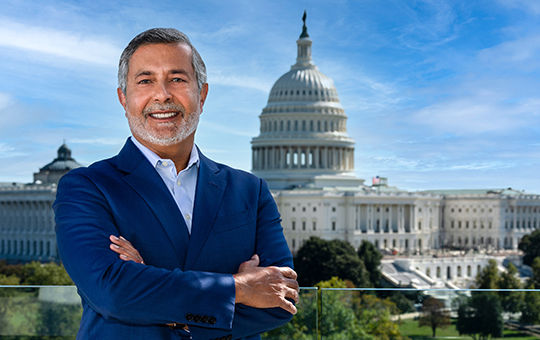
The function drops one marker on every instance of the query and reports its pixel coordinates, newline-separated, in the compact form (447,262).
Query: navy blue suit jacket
(187,278)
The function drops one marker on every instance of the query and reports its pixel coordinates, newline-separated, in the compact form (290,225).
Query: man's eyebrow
(143,73)
(179,71)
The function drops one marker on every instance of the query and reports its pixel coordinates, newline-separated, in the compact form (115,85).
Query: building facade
(27,227)
(304,153)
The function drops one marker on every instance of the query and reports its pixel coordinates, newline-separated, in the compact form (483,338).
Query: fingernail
(114,237)
(123,238)
(115,246)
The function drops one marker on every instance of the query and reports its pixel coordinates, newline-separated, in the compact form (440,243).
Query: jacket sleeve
(273,250)
(124,290)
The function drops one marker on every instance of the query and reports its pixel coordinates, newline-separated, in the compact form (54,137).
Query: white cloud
(100,141)
(246,82)
(5,100)
(70,45)
(7,151)
(529,6)
(225,129)
(518,52)
(477,115)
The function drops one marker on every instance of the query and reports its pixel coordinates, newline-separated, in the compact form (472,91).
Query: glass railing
(429,314)
(39,312)
(54,312)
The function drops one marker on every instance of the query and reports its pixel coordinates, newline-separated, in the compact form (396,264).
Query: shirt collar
(154,159)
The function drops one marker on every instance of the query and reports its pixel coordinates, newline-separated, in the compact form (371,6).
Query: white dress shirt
(181,185)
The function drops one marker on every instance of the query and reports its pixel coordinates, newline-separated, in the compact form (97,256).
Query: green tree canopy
(530,244)
(434,315)
(319,260)
(36,273)
(371,257)
(482,315)
(510,301)
(488,277)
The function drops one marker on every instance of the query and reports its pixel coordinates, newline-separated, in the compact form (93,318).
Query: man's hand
(266,287)
(123,247)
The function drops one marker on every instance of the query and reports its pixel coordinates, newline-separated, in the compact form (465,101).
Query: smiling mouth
(163,115)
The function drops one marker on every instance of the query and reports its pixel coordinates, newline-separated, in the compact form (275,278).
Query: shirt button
(188,217)
(178,182)
(165,163)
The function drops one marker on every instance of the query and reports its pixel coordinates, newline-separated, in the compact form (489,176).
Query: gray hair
(159,36)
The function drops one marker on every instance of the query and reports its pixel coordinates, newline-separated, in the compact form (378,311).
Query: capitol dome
(303,139)
(53,171)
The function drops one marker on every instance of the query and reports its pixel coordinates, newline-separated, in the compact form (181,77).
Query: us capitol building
(304,153)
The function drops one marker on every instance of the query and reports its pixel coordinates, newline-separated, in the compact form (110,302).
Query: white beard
(181,131)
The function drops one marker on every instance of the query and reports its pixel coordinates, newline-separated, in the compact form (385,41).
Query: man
(202,253)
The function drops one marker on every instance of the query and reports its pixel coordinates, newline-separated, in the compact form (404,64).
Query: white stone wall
(409,223)
(27,223)
(403,222)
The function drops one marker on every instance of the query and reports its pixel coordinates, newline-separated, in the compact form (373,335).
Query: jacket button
(189,317)
(204,319)
(212,320)
(197,318)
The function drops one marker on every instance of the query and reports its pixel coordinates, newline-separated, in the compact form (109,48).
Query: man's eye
(144,81)
(178,80)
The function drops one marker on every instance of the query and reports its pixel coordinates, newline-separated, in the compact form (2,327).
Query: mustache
(163,107)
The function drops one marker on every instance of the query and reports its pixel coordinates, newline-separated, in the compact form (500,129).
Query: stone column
(316,157)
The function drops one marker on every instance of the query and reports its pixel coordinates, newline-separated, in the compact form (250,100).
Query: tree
(510,301)
(530,244)
(530,311)
(535,279)
(36,273)
(488,278)
(481,315)
(434,315)
(371,257)
(375,317)
(319,260)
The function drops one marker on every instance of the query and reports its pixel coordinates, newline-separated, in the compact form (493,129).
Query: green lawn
(410,329)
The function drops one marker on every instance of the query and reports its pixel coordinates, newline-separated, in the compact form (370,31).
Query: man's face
(162,100)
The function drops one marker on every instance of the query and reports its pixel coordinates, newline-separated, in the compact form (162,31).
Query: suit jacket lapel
(211,183)
(145,180)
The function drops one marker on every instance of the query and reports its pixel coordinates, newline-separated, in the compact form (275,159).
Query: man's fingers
(126,250)
(288,306)
(253,262)
(288,272)
(292,294)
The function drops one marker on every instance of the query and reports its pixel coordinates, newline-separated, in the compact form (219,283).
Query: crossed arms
(260,287)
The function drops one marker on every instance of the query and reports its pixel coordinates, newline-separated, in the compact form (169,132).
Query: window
(333,225)
(304,209)
(314,225)
(333,209)
(293,243)
(314,209)
(293,226)
(303,225)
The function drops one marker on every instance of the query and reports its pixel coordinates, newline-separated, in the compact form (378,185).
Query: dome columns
(335,158)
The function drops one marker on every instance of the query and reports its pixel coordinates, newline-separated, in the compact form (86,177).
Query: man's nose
(162,93)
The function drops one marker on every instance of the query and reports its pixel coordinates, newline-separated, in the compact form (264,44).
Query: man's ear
(203,94)
(121,97)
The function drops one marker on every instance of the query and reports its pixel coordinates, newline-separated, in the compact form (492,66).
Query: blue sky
(439,94)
